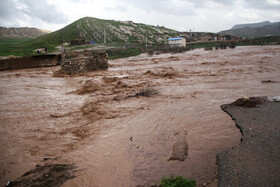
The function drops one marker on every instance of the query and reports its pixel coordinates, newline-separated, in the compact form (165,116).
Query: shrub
(122,53)
(177,182)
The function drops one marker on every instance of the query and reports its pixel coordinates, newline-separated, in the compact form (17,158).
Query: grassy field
(13,46)
(20,47)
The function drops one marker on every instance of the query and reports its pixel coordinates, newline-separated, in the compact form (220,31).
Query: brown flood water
(119,141)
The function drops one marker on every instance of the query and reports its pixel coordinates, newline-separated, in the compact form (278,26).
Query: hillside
(252,25)
(247,32)
(22,32)
(116,32)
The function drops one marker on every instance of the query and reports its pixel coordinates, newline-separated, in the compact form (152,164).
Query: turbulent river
(118,138)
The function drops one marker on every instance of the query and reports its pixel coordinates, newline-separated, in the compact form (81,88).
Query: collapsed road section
(36,61)
(255,162)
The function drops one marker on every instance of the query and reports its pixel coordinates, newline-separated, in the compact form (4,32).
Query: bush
(122,53)
(177,182)
(232,45)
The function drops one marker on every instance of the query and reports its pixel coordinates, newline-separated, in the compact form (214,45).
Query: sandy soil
(125,126)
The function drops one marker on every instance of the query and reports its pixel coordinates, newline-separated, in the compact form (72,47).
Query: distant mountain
(254,30)
(22,32)
(94,29)
(252,25)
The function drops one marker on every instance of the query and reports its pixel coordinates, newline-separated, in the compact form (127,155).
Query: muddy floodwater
(117,137)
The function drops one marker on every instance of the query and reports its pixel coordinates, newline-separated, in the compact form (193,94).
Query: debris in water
(180,148)
(145,93)
(88,87)
(268,81)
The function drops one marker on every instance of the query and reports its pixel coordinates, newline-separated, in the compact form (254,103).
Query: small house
(177,42)
(78,42)
(206,38)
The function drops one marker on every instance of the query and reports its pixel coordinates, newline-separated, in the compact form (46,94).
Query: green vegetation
(81,47)
(203,44)
(122,53)
(21,46)
(14,46)
(177,182)
(266,40)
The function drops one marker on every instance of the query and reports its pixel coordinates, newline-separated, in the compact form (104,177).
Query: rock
(180,148)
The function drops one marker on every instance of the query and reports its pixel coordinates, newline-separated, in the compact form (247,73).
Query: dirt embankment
(255,162)
(49,174)
(30,62)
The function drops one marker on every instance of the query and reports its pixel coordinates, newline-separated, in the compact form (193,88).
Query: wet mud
(46,175)
(120,126)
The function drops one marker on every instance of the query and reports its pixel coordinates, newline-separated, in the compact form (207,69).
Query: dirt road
(115,136)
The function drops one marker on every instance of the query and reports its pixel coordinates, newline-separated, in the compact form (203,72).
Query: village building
(206,38)
(177,42)
(79,42)
(128,22)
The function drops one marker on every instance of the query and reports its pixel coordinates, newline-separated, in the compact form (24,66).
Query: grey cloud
(42,10)
(163,6)
(15,10)
(204,3)
(245,4)
(178,7)
(261,5)
(7,11)
(118,8)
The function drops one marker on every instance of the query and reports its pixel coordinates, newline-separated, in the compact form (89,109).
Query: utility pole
(146,42)
(104,36)
(62,46)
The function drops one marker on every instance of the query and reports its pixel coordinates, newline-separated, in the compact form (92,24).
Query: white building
(177,42)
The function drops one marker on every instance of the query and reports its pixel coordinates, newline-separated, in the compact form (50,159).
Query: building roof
(175,38)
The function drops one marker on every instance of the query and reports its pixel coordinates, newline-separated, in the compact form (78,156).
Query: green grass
(122,53)
(11,41)
(14,46)
(81,47)
(177,182)
(21,46)
(267,40)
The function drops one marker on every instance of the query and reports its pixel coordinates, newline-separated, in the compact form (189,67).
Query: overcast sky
(181,15)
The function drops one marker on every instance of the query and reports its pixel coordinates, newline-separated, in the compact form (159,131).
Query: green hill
(92,29)
(116,32)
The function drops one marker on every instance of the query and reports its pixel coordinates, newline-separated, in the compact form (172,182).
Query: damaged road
(255,162)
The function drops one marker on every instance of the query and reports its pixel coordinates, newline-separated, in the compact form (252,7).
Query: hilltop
(22,32)
(252,25)
(93,29)
(254,30)
(90,29)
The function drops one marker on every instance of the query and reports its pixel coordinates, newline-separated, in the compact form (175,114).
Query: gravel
(256,161)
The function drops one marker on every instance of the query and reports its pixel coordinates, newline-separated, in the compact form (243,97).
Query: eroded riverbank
(118,140)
